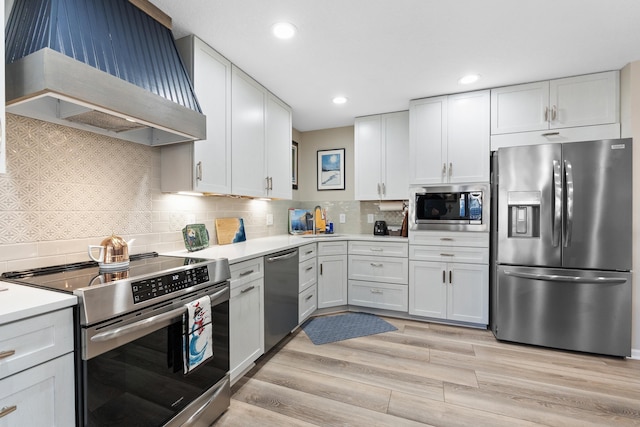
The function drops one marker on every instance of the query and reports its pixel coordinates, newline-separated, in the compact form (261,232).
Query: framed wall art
(331,169)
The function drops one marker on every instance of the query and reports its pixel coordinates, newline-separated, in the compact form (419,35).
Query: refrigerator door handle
(568,172)
(561,278)
(557,204)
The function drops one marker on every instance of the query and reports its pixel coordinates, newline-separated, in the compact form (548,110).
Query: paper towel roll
(391,206)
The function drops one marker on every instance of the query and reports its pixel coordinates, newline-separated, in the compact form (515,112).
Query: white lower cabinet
(307,302)
(332,274)
(246,316)
(386,296)
(308,278)
(37,386)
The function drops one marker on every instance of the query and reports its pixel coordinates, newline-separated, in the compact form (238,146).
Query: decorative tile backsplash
(65,189)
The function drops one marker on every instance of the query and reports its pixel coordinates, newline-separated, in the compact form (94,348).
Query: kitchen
(74,208)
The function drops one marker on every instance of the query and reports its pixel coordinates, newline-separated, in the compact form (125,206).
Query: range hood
(104,66)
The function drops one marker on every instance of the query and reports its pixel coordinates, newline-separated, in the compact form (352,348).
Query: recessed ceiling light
(339,100)
(284,30)
(468,79)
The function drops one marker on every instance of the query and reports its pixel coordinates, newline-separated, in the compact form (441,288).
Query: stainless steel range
(130,339)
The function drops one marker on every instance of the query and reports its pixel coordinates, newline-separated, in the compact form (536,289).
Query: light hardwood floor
(431,374)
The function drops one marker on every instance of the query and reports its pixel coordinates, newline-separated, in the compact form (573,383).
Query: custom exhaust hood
(104,66)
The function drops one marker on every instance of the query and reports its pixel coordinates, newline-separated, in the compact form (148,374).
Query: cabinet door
(332,281)
(468,137)
(468,299)
(278,149)
(246,329)
(395,156)
(42,396)
(585,100)
(428,136)
(368,152)
(428,289)
(248,177)
(3,159)
(520,108)
(212,83)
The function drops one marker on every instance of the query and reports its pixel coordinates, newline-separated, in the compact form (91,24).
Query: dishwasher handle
(282,257)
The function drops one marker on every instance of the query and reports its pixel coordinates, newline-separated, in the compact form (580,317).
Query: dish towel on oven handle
(198,339)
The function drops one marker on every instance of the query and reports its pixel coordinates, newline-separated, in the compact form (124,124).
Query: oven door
(141,380)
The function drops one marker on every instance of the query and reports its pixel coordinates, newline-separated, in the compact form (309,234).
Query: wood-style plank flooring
(432,374)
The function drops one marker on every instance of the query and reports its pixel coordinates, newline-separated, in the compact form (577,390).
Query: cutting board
(230,230)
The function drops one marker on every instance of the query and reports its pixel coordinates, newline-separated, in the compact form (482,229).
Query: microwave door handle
(568,171)
(557,204)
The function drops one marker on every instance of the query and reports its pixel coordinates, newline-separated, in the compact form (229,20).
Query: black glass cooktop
(69,277)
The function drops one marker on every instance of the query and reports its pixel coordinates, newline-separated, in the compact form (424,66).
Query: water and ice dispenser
(524,213)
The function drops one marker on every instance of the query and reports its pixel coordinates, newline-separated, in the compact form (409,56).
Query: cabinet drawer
(386,296)
(449,254)
(246,271)
(307,273)
(307,252)
(378,248)
(42,396)
(35,340)
(447,238)
(307,303)
(379,269)
(332,248)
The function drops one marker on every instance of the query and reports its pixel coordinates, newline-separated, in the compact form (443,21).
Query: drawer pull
(376,249)
(376,291)
(308,253)
(7,410)
(446,239)
(376,264)
(5,354)
(309,297)
(447,254)
(247,289)
(551,134)
(246,273)
(309,268)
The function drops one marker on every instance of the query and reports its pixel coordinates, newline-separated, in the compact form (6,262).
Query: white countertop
(19,302)
(237,252)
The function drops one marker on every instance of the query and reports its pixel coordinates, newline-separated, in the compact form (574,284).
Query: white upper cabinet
(203,166)
(3,122)
(381,156)
(261,140)
(548,106)
(449,139)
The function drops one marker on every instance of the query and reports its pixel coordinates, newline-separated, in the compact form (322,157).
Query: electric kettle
(113,254)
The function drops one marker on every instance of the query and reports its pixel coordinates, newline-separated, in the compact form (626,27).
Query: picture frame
(330,168)
(294,165)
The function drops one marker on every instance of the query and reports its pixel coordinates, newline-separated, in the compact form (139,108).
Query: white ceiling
(382,53)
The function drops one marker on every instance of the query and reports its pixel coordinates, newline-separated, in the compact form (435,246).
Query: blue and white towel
(198,345)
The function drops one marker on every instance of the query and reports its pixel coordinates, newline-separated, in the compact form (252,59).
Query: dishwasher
(280,296)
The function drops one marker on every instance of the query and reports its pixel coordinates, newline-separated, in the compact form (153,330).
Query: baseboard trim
(635,353)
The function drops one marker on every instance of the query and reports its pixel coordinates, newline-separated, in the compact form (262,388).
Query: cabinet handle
(376,291)
(6,410)
(554,113)
(379,192)
(447,254)
(551,134)
(376,264)
(450,169)
(376,249)
(309,268)
(450,276)
(250,288)
(266,183)
(309,297)
(320,269)
(270,183)
(246,273)
(199,171)
(308,253)
(384,189)
(446,239)
(444,169)
(5,354)
(546,114)
(444,279)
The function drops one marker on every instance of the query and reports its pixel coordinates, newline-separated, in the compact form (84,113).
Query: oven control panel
(150,288)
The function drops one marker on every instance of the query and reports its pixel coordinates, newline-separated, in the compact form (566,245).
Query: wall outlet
(343,218)
(370,218)
(191,218)
(269,219)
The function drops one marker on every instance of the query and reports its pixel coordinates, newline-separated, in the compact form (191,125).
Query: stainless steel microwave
(463,207)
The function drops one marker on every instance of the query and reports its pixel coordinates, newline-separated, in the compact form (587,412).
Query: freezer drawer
(577,310)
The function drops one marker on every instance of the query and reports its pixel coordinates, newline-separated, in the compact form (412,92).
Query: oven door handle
(193,419)
(151,321)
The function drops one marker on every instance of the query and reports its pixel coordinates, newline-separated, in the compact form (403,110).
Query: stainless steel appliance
(280,296)
(130,336)
(563,234)
(462,207)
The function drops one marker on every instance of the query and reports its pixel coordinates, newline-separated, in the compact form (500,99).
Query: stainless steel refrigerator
(562,274)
